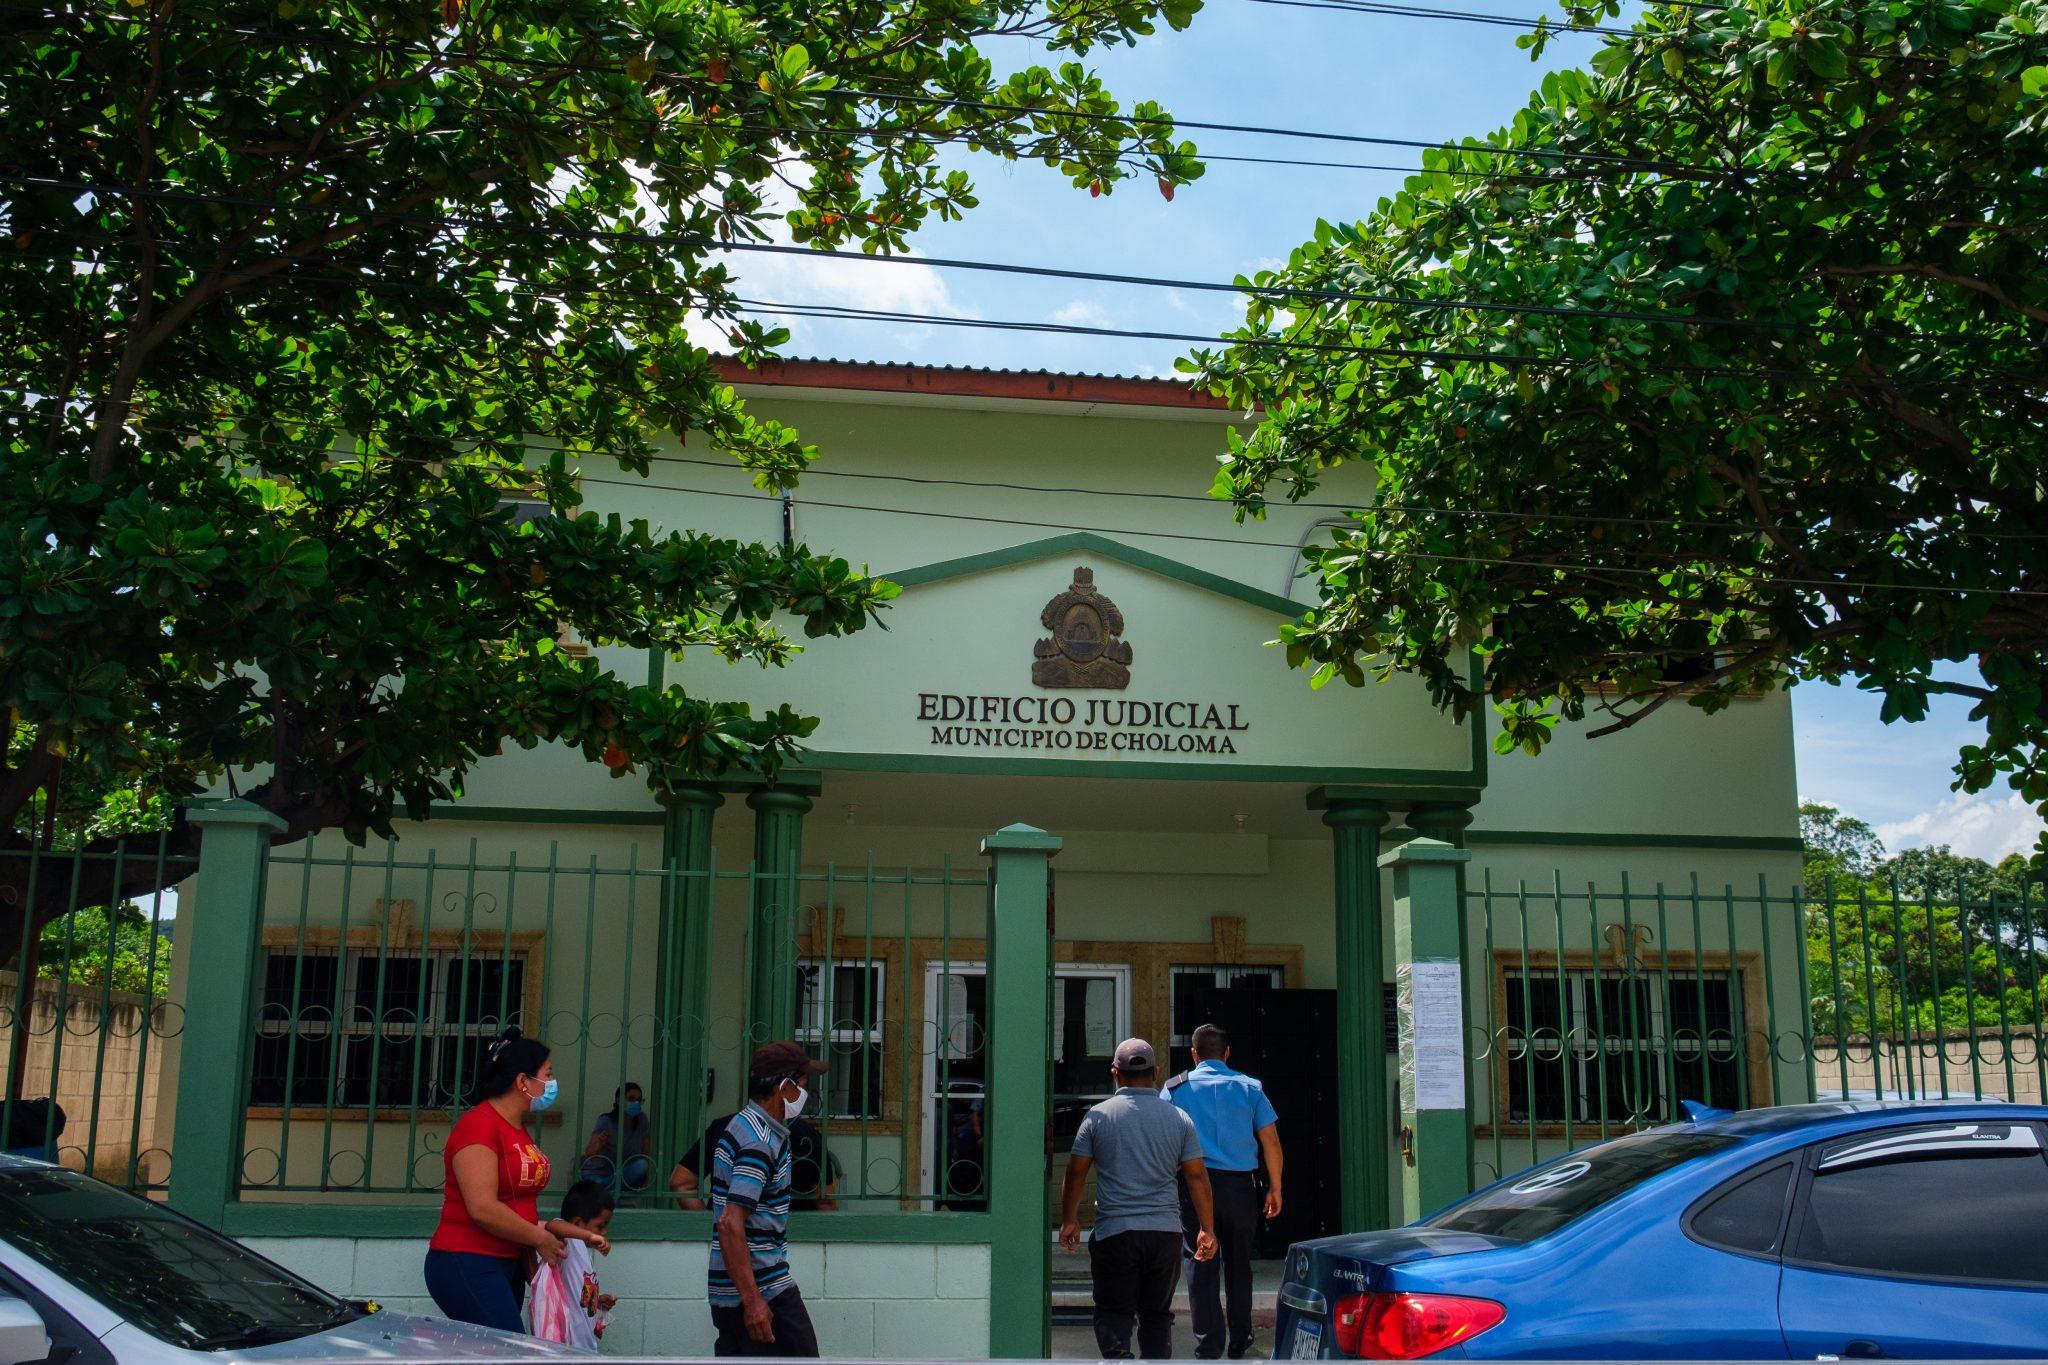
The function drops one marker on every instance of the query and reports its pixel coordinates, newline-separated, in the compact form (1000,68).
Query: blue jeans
(486,1290)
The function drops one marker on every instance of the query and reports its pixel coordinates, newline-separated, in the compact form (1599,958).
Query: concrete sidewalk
(1073,1335)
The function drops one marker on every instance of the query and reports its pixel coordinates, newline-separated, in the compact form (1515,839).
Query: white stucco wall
(892,1300)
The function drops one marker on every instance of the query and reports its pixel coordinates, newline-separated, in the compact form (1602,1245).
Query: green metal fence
(84,1013)
(1596,1011)
(384,976)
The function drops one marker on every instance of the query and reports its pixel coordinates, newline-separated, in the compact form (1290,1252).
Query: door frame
(928,1062)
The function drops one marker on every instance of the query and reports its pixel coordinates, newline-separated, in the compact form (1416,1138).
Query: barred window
(361,1028)
(1619,1045)
(1191,980)
(853,1046)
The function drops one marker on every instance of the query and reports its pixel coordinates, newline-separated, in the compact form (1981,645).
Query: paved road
(1078,1343)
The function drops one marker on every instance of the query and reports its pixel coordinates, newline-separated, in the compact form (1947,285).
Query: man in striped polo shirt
(754,1303)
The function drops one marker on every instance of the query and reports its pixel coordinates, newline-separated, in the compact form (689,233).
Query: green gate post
(1355,823)
(1447,821)
(1020,1091)
(225,927)
(771,941)
(1429,966)
(685,978)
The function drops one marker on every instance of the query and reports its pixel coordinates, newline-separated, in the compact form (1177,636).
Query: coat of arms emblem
(1084,650)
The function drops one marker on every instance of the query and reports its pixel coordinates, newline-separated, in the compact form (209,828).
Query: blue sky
(1251,63)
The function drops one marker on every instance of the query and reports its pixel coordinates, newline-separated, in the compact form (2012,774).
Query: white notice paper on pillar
(1438,1034)
(1099,1016)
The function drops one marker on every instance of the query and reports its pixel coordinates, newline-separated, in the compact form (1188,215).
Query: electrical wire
(852,313)
(1271,292)
(708,244)
(1399,11)
(1589,569)
(1632,522)
(1630,162)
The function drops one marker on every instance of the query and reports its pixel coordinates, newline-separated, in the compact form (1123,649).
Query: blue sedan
(1813,1232)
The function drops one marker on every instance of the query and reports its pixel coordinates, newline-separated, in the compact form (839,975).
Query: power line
(1498,514)
(1618,159)
(1625,161)
(913,135)
(1583,568)
(1406,509)
(1400,10)
(700,242)
(852,313)
(1273,292)
(1459,16)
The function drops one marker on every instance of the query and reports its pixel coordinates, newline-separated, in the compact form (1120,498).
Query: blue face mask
(546,1098)
(632,1109)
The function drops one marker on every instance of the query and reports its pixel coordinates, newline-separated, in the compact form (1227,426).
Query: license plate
(1308,1341)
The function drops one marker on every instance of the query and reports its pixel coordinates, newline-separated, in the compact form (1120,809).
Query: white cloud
(895,285)
(1082,313)
(1976,825)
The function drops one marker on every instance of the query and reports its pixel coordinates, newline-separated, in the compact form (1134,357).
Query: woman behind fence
(618,1143)
(493,1172)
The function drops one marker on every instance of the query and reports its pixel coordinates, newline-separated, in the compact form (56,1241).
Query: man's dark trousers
(1135,1274)
(794,1335)
(1237,1224)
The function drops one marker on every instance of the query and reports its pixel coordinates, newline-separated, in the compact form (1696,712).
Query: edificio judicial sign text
(1081,724)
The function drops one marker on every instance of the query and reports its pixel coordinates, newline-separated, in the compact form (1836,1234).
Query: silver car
(92,1275)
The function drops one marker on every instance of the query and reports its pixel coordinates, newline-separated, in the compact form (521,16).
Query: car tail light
(1403,1326)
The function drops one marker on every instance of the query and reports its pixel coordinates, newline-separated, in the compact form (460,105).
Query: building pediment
(1081,655)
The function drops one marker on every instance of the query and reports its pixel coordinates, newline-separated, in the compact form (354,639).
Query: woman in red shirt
(493,1173)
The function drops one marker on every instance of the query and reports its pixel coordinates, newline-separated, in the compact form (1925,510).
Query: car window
(1936,1213)
(183,1284)
(1747,1215)
(1540,1201)
(70,1342)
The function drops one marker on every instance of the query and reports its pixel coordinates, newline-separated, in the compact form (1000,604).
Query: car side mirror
(23,1338)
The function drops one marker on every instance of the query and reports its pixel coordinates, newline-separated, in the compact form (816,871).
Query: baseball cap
(1135,1054)
(775,1060)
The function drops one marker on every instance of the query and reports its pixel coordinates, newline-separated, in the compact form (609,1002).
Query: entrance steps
(1073,1301)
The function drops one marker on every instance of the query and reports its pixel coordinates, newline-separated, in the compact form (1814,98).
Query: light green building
(1080,647)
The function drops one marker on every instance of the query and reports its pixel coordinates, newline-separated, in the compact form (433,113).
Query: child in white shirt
(567,1305)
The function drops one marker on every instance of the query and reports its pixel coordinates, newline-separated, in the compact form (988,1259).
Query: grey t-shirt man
(1137,1140)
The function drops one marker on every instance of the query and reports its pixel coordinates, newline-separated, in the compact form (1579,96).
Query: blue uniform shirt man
(1236,1125)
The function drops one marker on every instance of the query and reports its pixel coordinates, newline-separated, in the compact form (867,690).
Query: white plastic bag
(551,1309)
(563,1304)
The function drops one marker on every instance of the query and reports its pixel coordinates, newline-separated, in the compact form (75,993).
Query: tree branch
(113,417)
(1988,288)
(1670,691)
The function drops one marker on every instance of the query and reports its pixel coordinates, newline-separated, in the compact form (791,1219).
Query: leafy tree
(1836,844)
(1920,939)
(298,299)
(1719,369)
(135,956)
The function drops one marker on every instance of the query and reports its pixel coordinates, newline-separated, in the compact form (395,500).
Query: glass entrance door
(1091,1013)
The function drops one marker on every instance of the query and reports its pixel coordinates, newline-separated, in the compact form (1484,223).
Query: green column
(1355,823)
(224,923)
(1429,969)
(1020,1090)
(1444,821)
(777,892)
(685,980)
